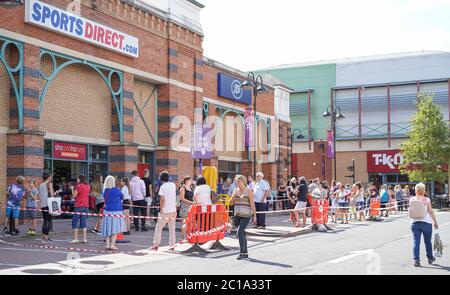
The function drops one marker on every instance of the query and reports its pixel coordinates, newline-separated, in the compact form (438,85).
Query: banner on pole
(330,145)
(249,120)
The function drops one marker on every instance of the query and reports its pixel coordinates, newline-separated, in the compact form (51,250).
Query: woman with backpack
(422,220)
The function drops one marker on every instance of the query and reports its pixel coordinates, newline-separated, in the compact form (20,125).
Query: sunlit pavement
(358,248)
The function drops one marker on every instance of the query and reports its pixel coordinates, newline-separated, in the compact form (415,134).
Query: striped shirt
(242,206)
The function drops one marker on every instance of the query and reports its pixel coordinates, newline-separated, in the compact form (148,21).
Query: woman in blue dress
(112,226)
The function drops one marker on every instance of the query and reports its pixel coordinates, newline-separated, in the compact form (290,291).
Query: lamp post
(10,4)
(294,137)
(335,114)
(256,83)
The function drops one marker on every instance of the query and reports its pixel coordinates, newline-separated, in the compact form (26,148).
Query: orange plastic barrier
(375,207)
(202,219)
(320,211)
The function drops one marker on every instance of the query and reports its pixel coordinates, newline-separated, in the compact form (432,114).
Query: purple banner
(330,145)
(202,142)
(249,127)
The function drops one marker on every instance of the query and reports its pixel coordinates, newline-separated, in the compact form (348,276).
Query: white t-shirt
(126,193)
(260,189)
(204,194)
(169,191)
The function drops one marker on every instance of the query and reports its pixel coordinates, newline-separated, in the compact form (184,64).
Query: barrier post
(206,224)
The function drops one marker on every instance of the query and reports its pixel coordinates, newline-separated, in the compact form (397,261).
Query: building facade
(377,96)
(106,86)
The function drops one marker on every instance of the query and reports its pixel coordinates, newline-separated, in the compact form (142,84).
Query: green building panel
(319,78)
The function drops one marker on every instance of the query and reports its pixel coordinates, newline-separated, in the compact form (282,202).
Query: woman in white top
(202,193)
(126,202)
(423,226)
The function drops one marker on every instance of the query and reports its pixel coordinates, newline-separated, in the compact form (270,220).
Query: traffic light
(352,169)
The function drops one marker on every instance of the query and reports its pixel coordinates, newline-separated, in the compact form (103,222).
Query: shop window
(98,153)
(146,157)
(95,168)
(391,178)
(47,148)
(228,169)
(402,178)
(48,165)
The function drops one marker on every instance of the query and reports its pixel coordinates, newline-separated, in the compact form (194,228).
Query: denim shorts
(14,211)
(81,218)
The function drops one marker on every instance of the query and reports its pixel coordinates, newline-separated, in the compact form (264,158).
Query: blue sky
(252,34)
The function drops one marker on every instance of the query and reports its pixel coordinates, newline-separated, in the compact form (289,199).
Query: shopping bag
(438,246)
(54,206)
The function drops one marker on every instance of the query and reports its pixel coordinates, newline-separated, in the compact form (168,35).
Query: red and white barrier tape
(100,215)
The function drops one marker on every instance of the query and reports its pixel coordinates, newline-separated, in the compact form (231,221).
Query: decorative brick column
(122,159)
(25,148)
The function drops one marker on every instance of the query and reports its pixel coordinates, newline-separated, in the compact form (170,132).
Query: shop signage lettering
(231,88)
(69,151)
(384,161)
(64,22)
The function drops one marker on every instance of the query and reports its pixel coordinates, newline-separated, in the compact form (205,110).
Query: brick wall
(4,96)
(3,166)
(306,161)
(67,110)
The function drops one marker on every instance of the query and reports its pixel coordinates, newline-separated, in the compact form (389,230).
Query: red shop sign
(384,161)
(69,151)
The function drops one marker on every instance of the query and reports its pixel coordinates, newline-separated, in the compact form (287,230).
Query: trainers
(127,233)
(5,230)
(416,263)
(74,242)
(136,228)
(84,241)
(144,229)
(95,231)
(242,256)
(431,261)
(16,231)
(30,232)
(33,232)
(154,248)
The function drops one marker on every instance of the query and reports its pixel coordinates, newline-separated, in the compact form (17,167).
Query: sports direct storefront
(99,90)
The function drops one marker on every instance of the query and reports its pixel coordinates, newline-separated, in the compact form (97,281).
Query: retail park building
(107,91)
(377,96)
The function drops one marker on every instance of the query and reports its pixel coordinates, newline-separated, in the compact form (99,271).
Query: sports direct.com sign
(64,22)
(384,161)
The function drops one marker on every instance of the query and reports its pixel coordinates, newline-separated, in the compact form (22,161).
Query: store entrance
(67,171)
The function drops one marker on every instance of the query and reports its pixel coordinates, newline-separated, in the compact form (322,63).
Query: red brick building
(74,106)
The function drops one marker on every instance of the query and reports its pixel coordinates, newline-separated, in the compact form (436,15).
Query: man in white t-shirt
(261,192)
(168,213)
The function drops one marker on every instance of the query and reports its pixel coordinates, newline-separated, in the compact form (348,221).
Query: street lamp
(10,4)
(335,114)
(257,85)
(295,137)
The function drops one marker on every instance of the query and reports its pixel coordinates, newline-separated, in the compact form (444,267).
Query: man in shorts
(15,193)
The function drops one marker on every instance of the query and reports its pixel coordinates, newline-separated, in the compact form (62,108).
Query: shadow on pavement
(269,263)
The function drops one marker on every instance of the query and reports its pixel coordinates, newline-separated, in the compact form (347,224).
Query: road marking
(41,250)
(14,265)
(350,256)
